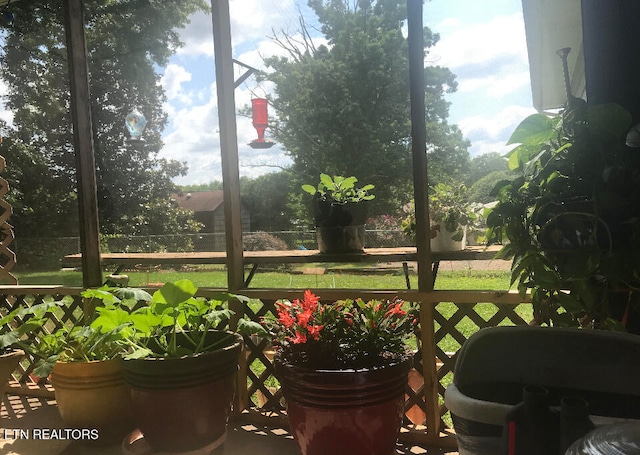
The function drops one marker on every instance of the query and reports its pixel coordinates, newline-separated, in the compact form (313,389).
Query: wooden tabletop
(289,256)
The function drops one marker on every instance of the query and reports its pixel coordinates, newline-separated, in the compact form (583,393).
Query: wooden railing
(447,319)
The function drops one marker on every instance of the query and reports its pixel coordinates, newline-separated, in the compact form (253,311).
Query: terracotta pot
(94,395)
(8,364)
(183,404)
(345,412)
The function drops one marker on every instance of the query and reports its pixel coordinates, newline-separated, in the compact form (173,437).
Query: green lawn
(217,278)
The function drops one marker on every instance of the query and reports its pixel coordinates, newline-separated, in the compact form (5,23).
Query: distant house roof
(199,201)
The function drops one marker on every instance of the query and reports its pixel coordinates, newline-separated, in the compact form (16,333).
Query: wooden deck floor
(29,413)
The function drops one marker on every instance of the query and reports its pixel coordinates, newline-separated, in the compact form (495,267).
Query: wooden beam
(228,142)
(419,142)
(83,143)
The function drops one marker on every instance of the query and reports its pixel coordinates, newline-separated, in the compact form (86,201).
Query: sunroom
(71,38)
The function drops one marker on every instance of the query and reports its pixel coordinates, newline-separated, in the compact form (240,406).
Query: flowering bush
(342,334)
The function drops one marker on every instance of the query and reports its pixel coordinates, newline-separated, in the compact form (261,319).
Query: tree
(126,40)
(481,190)
(268,201)
(343,108)
(214,185)
(485,164)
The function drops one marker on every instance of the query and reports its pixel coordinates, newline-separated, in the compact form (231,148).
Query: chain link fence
(47,253)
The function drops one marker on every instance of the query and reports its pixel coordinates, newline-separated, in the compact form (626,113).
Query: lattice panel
(455,323)
(263,389)
(66,315)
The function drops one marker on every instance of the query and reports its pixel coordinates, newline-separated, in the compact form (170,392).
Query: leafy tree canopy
(483,165)
(211,186)
(126,40)
(267,200)
(343,108)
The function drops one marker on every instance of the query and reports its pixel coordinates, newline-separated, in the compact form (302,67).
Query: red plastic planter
(345,412)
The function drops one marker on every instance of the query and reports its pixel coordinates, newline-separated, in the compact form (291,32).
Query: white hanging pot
(443,240)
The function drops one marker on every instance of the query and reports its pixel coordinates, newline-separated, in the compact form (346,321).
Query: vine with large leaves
(570,218)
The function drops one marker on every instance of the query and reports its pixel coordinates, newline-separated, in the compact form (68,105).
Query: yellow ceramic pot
(94,395)
(8,364)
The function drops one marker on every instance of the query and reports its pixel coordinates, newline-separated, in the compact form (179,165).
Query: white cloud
(195,140)
(490,56)
(172,80)
(491,133)
(250,20)
(501,37)
(197,36)
(495,85)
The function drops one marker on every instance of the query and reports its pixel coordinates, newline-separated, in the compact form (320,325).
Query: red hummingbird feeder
(260,123)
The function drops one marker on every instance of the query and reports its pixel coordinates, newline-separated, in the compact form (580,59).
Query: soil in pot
(345,412)
(184,404)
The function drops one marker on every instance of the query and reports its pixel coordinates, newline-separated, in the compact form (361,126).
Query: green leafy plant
(449,212)
(174,323)
(339,190)
(342,334)
(337,202)
(83,342)
(18,335)
(570,217)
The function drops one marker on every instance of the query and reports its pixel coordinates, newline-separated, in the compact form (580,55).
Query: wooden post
(429,369)
(228,142)
(420,192)
(419,142)
(83,143)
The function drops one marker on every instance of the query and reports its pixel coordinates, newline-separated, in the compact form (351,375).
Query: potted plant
(477,229)
(343,366)
(339,213)
(182,368)
(449,216)
(571,216)
(84,363)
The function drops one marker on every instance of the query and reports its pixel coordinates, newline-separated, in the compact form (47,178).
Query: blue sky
(482,42)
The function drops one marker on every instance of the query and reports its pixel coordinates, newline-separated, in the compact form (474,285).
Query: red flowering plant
(343,334)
